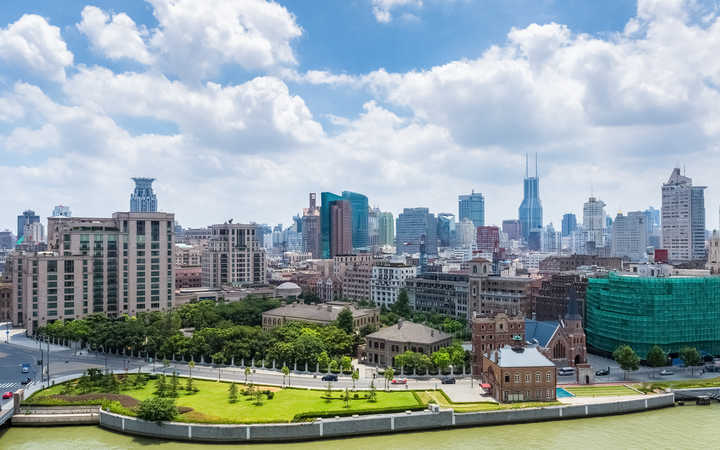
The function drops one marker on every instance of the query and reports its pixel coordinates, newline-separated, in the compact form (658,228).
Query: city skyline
(391,122)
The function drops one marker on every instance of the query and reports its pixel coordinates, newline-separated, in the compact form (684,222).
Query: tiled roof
(405,331)
(528,356)
(539,333)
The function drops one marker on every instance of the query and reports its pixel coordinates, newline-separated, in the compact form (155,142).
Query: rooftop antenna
(536,167)
(526,166)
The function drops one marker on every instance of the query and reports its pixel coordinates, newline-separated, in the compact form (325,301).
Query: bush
(157,409)
(349,412)
(270,395)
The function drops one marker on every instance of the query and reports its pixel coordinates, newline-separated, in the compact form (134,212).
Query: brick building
(551,300)
(492,333)
(518,374)
(355,273)
(5,303)
(488,239)
(188,277)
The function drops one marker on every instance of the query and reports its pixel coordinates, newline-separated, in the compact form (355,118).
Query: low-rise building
(573,262)
(355,273)
(288,290)
(509,295)
(440,293)
(188,277)
(382,346)
(323,314)
(492,333)
(519,374)
(188,254)
(5,303)
(551,300)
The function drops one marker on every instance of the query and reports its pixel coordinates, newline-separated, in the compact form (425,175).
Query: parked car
(666,372)
(564,371)
(399,381)
(26,381)
(448,380)
(330,377)
(7,395)
(602,372)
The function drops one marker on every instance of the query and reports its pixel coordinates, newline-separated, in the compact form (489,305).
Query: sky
(239,109)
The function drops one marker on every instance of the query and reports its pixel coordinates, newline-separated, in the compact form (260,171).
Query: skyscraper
(359,207)
(594,221)
(374,227)
(386,225)
(569,224)
(326,200)
(629,236)
(683,218)
(530,211)
(513,229)
(472,206)
(311,228)
(143,199)
(61,211)
(26,218)
(412,225)
(340,228)
(446,229)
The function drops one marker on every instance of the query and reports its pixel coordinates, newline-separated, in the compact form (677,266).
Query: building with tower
(143,199)
(26,218)
(233,257)
(311,228)
(530,212)
(472,206)
(61,211)
(594,221)
(683,218)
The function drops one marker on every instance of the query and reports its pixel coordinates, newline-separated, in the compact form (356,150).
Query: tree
(355,377)
(247,373)
(441,359)
(286,373)
(346,398)
(373,392)
(690,357)
(401,306)
(189,386)
(233,392)
(389,375)
(328,392)
(345,320)
(161,386)
(334,365)
(346,363)
(323,360)
(173,384)
(157,409)
(258,397)
(627,358)
(656,357)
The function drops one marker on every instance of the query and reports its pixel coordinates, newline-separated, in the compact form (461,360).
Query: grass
(442,400)
(211,403)
(681,384)
(600,391)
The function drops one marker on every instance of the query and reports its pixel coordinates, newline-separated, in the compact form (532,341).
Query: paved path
(463,391)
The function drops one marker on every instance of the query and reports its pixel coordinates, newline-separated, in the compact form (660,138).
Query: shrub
(270,395)
(157,409)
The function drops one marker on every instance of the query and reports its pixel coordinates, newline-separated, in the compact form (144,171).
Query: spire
(526,166)
(572,306)
(536,166)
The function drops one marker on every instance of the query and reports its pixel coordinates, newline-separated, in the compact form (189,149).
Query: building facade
(322,314)
(594,221)
(388,278)
(512,229)
(472,207)
(683,218)
(415,225)
(493,333)
(446,229)
(359,224)
(233,257)
(386,225)
(530,212)
(26,218)
(488,239)
(311,228)
(61,211)
(439,293)
(551,301)
(382,346)
(340,228)
(355,273)
(629,236)
(520,374)
(188,277)
(143,199)
(569,224)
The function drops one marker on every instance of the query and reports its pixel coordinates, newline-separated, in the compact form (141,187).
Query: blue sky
(239,109)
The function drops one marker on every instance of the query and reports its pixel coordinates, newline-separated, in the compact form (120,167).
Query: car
(330,377)
(7,395)
(448,380)
(666,372)
(602,373)
(25,368)
(399,381)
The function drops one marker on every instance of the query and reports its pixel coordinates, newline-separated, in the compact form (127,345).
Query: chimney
(497,357)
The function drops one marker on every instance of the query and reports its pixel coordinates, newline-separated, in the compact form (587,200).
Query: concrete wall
(373,424)
(691,394)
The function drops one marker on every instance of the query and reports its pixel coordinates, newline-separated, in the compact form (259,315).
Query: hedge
(351,412)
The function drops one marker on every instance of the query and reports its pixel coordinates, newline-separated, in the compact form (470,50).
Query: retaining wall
(373,424)
(692,393)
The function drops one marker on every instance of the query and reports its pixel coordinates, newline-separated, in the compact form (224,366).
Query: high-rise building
(446,229)
(143,199)
(413,226)
(374,227)
(326,200)
(340,228)
(27,217)
(551,240)
(108,265)
(530,212)
(61,211)
(7,239)
(569,224)
(629,236)
(388,278)
(466,234)
(594,221)
(233,257)
(359,208)
(311,228)
(512,229)
(488,239)
(472,206)
(34,233)
(386,225)
(683,218)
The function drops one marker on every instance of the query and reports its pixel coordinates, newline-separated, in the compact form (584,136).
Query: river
(671,428)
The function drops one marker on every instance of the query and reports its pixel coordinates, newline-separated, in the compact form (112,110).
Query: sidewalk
(17,337)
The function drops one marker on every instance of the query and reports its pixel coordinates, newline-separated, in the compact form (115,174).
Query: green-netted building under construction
(672,312)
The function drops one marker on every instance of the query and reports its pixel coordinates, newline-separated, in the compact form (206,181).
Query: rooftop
(528,356)
(323,312)
(405,331)
(540,333)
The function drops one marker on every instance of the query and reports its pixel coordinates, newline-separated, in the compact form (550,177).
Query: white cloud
(35,46)
(194,39)
(117,37)
(382,8)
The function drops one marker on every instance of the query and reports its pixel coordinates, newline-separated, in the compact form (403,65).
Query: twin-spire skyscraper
(530,210)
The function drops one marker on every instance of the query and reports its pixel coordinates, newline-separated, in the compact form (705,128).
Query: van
(564,371)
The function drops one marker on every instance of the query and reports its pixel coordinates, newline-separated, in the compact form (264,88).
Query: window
(527,377)
(548,377)
(517,377)
(537,377)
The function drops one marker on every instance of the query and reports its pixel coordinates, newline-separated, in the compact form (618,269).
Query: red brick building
(519,374)
(488,239)
(188,277)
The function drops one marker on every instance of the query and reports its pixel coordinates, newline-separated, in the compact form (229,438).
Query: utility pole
(48,361)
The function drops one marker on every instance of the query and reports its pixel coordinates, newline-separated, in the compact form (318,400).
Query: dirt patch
(194,416)
(184,409)
(125,400)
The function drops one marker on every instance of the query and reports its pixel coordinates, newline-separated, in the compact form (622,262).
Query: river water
(669,428)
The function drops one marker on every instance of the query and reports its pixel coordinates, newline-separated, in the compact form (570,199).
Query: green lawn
(442,400)
(600,391)
(682,384)
(211,403)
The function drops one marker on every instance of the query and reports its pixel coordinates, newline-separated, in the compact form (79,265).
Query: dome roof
(288,285)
